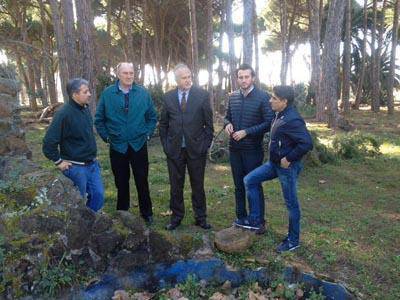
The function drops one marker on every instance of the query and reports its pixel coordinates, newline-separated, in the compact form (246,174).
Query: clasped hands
(236,135)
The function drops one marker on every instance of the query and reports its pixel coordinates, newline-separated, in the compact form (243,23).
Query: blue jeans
(242,163)
(87,179)
(288,179)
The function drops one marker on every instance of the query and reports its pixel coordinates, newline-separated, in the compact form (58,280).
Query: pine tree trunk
(395,31)
(62,58)
(143,42)
(194,41)
(363,58)
(40,89)
(315,40)
(210,52)
(47,57)
(284,41)
(128,25)
(86,42)
(248,19)
(347,60)
(70,37)
(109,38)
(330,56)
(256,52)
(231,40)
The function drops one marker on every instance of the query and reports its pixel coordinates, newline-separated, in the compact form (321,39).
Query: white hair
(179,67)
(130,64)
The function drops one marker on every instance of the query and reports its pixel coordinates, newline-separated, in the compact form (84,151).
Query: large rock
(11,133)
(233,240)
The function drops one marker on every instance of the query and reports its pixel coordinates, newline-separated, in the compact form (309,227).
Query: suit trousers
(139,162)
(176,170)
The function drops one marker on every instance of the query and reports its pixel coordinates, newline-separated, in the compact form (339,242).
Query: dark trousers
(139,162)
(242,163)
(176,170)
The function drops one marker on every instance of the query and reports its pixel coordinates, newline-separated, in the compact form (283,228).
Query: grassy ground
(350,210)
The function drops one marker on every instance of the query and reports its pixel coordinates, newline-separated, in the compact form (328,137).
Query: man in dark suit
(186,132)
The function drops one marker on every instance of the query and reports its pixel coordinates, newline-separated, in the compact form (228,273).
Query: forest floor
(350,209)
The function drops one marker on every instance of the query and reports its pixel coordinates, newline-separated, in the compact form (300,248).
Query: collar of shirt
(123,90)
(180,94)
(248,91)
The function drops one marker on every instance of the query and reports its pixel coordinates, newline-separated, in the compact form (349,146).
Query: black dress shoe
(172,226)
(203,224)
(148,220)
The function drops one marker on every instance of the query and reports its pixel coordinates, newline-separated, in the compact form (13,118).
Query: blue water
(214,271)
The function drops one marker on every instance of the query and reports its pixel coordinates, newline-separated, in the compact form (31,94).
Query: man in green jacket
(126,119)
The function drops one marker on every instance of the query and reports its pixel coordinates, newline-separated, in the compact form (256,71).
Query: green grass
(350,210)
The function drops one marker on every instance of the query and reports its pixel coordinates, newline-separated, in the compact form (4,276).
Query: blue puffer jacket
(253,114)
(121,128)
(289,136)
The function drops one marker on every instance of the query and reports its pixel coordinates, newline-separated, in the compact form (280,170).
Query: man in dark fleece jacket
(248,117)
(289,142)
(70,143)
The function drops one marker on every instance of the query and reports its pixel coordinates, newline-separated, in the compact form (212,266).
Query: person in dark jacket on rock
(289,142)
(70,143)
(248,117)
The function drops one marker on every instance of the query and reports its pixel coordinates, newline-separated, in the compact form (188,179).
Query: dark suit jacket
(195,124)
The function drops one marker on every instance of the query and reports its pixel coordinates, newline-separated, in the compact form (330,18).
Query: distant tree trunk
(284,41)
(315,40)
(109,37)
(129,37)
(330,56)
(86,41)
(231,40)
(41,92)
(347,60)
(210,52)
(395,31)
(381,30)
(32,85)
(220,69)
(360,83)
(47,56)
(70,38)
(62,58)
(256,53)
(375,77)
(248,19)
(194,41)
(144,42)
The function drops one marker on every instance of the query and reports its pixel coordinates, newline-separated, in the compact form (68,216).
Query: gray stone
(134,241)
(105,243)
(103,223)
(130,221)
(233,240)
(125,260)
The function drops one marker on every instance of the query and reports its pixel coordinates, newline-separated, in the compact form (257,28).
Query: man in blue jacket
(126,119)
(248,117)
(70,143)
(289,142)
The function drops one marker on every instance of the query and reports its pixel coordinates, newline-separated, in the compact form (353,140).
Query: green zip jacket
(121,128)
(70,135)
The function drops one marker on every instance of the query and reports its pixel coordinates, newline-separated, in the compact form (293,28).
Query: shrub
(320,153)
(356,145)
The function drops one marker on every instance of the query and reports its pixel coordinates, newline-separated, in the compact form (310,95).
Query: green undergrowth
(350,206)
